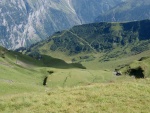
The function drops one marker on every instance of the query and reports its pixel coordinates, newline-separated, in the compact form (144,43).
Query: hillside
(41,61)
(20,73)
(70,90)
(24,22)
(107,41)
(129,10)
(70,87)
(98,67)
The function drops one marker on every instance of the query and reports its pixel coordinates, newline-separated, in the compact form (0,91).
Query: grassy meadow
(70,89)
(119,97)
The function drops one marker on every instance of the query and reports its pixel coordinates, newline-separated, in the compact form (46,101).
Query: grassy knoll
(119,97)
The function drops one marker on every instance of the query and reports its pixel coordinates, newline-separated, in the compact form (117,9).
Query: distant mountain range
(115,39)
(23,22)
(129,10)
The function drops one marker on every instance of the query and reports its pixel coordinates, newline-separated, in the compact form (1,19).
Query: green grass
(119,97)
(112,63)
(79,77)
(9,87)
(94,89)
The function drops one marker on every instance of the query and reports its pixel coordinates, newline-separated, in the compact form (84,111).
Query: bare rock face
(23,22)
(128,10)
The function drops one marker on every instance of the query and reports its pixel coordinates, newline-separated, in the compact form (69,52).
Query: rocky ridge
(24,22)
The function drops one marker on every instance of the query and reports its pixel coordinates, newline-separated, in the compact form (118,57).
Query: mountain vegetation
(96,67)
(92,86)
(70,90)
(108,40)
(27,22)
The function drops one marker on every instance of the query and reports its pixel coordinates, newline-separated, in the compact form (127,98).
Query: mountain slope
(24,22)
(71,90)
(21,73)
(112,39)
(17,59)
(129,10)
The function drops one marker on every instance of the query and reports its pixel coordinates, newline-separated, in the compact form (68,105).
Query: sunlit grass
(118,97)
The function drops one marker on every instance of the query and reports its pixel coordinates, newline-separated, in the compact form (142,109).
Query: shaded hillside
(129,10)
(125,38)
(33,60)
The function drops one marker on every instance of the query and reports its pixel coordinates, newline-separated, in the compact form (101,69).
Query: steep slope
(129,10)
(87,10)
(24,22)
(112,39)
(30,21)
